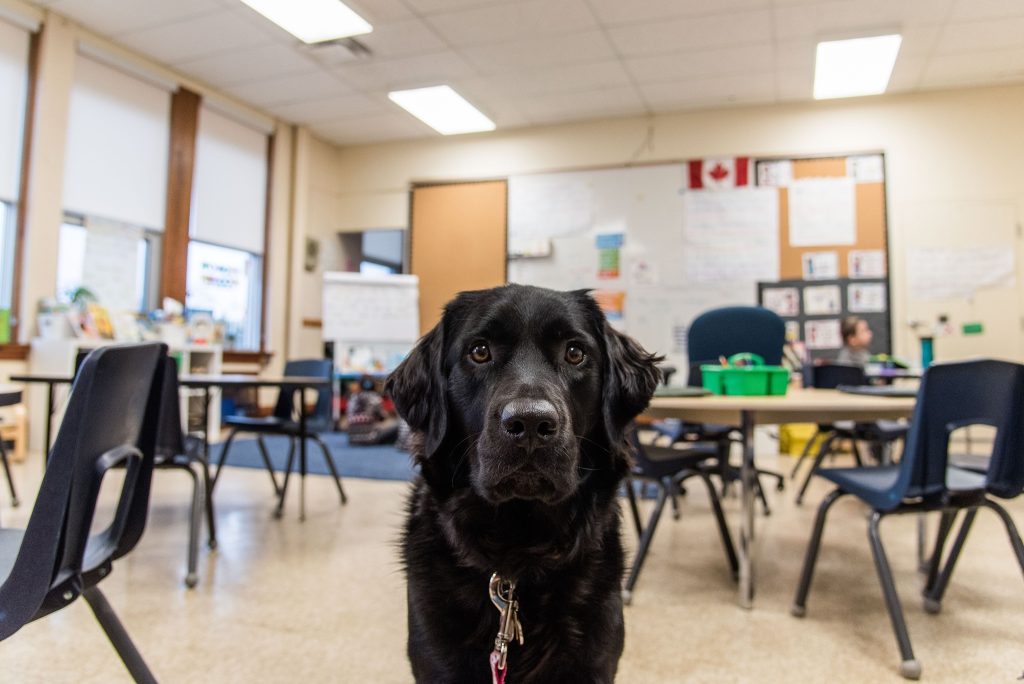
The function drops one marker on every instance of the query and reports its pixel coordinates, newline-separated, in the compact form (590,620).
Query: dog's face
(519,391)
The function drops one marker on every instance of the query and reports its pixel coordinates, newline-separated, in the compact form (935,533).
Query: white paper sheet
(784,301)
(777,173)
(866,263)
(733,235)
(548,205)
(820,265)
(110,265)
(823,334)
(822,211)
(935,273)
(865,168)
(865,297)
(822,300)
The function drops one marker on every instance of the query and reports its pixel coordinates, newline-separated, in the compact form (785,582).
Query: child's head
(856,332)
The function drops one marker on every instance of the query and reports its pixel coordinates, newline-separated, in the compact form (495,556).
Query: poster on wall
(824,334)
(609,255)
(866,263)
(822,211)
(822,300)
(820,265)
(866,297)
(784,301)
(612,303)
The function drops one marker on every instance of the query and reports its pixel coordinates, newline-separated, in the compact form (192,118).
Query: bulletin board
(833,246)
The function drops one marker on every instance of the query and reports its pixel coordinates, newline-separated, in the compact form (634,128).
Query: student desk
(799,405)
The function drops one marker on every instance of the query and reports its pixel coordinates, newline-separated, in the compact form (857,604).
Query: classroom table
(295,383)
(798,405)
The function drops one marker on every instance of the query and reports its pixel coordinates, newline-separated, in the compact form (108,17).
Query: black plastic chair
(669,467)
(880,434)
(951,396)
(283,422)
(721,333)
(111,419)
(9,399)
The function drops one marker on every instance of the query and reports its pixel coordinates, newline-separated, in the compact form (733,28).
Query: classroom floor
(324,600)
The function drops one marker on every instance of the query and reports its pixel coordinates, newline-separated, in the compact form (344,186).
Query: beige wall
(943,149)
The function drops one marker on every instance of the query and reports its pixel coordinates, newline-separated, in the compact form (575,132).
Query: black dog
(519,398)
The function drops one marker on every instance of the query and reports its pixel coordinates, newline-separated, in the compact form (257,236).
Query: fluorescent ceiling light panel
(859,66)
(312,21)
(442,109)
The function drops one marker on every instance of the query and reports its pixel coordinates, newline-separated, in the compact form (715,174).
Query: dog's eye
(480,353)
(574,354)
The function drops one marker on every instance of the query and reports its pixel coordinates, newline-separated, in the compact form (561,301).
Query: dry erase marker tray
(745,375)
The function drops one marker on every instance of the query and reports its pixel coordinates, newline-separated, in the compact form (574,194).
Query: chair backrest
(110,419)
(322,416)
(956,395)
(732,330)
(832,375)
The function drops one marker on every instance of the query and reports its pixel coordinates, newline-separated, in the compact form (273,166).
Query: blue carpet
(369,462)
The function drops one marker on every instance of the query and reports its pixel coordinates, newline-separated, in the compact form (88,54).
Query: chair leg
(910,668)
(223,457)
(267,463)
(7,471)
(331,466)
(631,495)
(934,562)
(279,511)
(1011,530)
(195,525)
(759,491)
(723,527)
(118,636)
(935,589)
(799,608)
(211,519)
(674,499)
(823,451)
(804,453)
(645,543)
(856,453)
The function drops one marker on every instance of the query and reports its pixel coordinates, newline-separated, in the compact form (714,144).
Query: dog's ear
(418,388)
(630,378)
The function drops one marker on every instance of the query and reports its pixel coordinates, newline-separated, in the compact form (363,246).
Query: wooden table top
(798,405)
(251,381)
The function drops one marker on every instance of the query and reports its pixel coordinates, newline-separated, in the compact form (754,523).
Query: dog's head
(520,391)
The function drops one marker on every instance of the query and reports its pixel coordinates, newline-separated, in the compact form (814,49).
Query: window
(91,254)
(8,232)
(226,283)
(373,268)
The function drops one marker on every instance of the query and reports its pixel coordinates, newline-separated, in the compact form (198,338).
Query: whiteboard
(664,264)
(370,308)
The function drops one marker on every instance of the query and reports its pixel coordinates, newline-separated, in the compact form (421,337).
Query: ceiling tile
(313,85)
(590,104)
(330,109)
(181,41)
(692,33)
(591,46)
(975,68)
(401,39)
(380,127)
(248,65)
(408,72)
(907,74)
(688,65)
(564,78)
(737,89)
(112,17)
(982,36)
(794,85)
(986,9)
(847,18)
(619,12)
(438,6)
(513,20)
(380,11)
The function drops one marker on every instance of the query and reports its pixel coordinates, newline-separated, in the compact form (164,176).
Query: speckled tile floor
(324,600)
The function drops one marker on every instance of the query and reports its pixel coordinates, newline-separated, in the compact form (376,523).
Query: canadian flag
(715,174)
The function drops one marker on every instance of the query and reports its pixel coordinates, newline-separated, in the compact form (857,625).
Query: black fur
(548,517)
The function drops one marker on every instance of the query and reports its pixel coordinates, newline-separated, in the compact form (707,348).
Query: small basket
(745,375)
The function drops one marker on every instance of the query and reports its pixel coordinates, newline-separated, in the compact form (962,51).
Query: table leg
(302,455)
(210,523)
(748,480)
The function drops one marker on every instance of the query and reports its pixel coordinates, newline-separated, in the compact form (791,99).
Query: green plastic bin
(746,375)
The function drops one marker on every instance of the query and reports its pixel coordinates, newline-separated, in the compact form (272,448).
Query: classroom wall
(945,148)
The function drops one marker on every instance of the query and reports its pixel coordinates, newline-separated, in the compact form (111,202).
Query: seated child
(368,422)
(856,340)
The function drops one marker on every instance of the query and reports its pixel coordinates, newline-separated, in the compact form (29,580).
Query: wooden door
(457,236)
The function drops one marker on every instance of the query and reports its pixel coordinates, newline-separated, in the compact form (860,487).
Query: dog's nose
(530,422)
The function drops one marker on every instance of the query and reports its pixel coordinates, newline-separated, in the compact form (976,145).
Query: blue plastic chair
(723,332)
(951,396)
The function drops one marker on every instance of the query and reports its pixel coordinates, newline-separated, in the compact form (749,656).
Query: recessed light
(443,109)
(312,21)
(859,66)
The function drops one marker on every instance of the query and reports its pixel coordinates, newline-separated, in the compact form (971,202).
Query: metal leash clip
(509,628)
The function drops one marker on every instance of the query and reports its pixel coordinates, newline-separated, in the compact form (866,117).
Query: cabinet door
(457,240)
